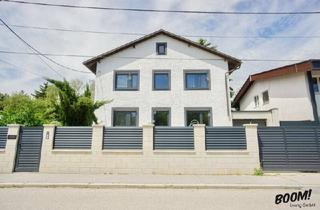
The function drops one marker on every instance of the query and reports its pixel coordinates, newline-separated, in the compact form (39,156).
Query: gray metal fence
(122,138)
(73,137)
(173,138)
(225,138)
(29,149)
(3,137)
(290,148)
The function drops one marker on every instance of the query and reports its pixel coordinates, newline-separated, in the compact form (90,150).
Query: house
(165,79)
(289,93)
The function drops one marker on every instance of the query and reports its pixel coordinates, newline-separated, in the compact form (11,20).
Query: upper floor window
(265,97)
(128,80)
(161,80)
(256,101)
(161,48)
(316,64)
(197,80)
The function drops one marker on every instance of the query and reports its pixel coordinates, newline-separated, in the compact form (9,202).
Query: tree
(2,98)
(205,43)
(41,93)
(72,108)
(77,85)
(231,90)
(20,108)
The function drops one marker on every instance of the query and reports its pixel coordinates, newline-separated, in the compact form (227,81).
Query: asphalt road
(72,198)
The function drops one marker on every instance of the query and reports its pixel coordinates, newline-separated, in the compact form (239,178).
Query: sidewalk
(267,181)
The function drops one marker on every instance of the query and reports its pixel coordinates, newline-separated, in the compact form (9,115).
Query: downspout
(227,76)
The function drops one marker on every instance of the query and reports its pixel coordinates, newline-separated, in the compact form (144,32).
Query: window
(127,80)
(316,64)
(161,48)
(265,97)
(127,117)
(201,116)
(197,80)
(161,116)
(315,84)
(256,101)
(161,80)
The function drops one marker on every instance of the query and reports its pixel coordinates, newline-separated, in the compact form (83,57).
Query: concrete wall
(149,161)
(271,116)
(7,155)
(289,94)
(179,57)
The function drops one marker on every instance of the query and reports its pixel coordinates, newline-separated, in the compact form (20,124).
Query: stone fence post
(97,139)
(252,142)
(147,139)
(47,144)
(8,155)
(199,133)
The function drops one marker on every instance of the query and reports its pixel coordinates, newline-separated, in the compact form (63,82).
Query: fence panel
(173,138)
(72,137)
(122,138)
(3,137)
(226,138)
(29,149)
(290,148)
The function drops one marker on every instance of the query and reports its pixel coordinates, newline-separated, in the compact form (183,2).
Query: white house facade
(163,79)
(292,90)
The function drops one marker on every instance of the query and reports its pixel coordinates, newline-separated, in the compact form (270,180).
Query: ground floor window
(123,117)
(198,116)
(161,116)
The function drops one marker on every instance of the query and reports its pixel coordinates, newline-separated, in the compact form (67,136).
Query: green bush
(258,172)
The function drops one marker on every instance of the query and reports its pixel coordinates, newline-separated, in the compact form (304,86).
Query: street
(72,198)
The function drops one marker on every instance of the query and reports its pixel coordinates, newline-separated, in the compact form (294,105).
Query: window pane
(315,84)
(124,118)
(127,81)
(161,81)
(316,64)
(122,80)
(201,117)
(256,101)
(135,81)
(197,81)
(161,118)
(265,97)
(161,49)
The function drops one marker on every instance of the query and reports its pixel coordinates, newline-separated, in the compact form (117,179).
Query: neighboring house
(292,90)
(165,79)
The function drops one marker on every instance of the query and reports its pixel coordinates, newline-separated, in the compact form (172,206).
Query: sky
(27,72)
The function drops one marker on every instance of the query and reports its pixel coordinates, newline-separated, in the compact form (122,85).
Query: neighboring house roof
(280,71)
(233,63)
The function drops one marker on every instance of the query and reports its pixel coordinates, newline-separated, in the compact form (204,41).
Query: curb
(147,186)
